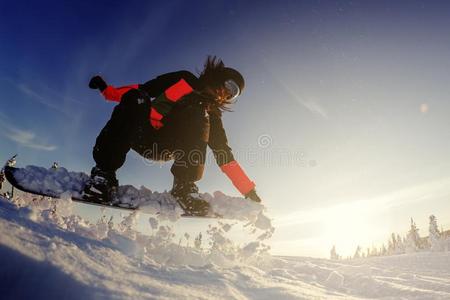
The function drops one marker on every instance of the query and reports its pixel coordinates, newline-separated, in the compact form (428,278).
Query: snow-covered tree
(357,252)
(374,251)
(198,241)
(434,237)
(333,253)
(392,244)
(395,244)
(401,244)
(413,238)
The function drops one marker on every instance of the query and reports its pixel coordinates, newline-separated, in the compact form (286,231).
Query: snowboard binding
(101,187)
(187,196)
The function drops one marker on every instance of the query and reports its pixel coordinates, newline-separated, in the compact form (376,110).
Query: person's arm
(218,143)
(153,88)
(115,94)
(108,91)
(168,89)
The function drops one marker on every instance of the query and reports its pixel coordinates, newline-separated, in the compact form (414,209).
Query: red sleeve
(115,94)
(238,177)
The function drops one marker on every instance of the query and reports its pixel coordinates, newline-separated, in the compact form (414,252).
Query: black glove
(253,196)
(97,83)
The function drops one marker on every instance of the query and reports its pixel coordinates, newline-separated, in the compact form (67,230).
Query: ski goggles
(232,88)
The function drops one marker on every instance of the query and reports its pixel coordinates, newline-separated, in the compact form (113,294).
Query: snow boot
(101,187)
(187,196)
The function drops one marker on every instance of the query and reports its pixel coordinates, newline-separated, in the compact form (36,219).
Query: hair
(212,79)
(212,70)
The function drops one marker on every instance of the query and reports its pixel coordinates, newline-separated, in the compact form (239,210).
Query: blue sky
(351,98)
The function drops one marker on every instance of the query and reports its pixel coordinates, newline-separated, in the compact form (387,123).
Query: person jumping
(174,116)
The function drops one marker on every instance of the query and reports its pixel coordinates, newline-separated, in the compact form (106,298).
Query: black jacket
(218,141)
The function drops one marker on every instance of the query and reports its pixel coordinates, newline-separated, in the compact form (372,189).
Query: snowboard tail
(10,174)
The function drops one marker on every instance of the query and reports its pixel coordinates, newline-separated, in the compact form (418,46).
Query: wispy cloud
(27,90)
(24,138)
(311,105)
(44,95)
(400,198)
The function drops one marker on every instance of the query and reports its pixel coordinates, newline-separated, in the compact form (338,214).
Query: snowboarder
(174,116)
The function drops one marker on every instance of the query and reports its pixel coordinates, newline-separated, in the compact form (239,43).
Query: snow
(59,181)
(47,251)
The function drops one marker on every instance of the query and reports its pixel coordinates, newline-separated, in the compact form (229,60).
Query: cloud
(424,192)
(23,137)
(42,94)
(38,97)
(311,105)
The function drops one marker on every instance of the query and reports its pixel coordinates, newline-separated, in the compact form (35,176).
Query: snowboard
(58,182)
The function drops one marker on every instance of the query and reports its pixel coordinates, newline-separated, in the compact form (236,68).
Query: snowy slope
(47,252)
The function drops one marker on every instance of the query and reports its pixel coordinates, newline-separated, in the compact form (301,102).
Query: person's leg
(190,151)
(114,141)
(190,156)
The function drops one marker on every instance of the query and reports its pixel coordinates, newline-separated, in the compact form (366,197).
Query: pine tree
(333,253)
(374,251)
(413,238)
(434,237)
(392,244)
(198,241)
(401,242)
(357,253)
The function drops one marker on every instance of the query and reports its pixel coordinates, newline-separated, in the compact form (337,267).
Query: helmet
(233,81)
(216,75)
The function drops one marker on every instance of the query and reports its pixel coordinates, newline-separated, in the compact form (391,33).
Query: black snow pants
(184,138)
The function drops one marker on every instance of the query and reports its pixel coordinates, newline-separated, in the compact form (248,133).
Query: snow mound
(60,181)
(51,181)
(160,244)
